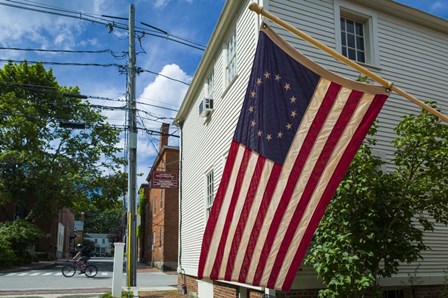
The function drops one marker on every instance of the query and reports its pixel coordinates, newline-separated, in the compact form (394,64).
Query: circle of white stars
(268,136)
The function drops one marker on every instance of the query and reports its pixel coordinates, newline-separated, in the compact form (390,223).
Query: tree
(45,165)
(15,239)
(103,221)
(376,219)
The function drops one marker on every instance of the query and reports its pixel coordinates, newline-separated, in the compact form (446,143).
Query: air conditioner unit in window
(205,107)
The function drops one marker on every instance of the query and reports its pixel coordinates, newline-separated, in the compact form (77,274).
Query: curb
(34,265)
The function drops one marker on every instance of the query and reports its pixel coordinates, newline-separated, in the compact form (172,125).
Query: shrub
(15,237)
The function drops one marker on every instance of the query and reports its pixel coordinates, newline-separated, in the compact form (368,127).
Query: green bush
(15,238)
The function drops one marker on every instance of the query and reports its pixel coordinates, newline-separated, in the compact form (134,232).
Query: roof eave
(226,17)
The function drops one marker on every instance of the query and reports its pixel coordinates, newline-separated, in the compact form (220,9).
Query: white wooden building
(103,247)
(403,45)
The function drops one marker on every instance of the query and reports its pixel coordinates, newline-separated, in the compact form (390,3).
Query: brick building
(161,213)
(58,229)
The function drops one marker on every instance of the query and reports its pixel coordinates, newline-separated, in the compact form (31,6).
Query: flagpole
(388,85)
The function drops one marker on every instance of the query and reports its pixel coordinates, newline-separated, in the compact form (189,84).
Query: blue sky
(193,20)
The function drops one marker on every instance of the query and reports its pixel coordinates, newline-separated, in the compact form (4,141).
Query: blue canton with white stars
(278,94)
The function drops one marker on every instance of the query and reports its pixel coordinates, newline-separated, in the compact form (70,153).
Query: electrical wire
(56,51)
(66,63)
(83,96)
(139,69)
(53,10)
(148,131)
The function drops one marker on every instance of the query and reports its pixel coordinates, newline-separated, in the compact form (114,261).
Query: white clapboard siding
(413,56)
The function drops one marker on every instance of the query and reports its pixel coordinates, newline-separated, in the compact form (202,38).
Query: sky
(191,20)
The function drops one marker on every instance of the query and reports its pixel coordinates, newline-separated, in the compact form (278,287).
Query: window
(161,231)
(209,85)
(155,203)
(210,192)
(353,39)
(231,69)
(103,241)
(161,199)
(393,294)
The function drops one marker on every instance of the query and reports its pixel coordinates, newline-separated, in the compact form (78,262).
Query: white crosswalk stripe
(43,273)
(12,274)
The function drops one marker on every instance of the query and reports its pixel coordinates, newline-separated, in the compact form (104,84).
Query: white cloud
(165,91)
(160,3)
(438,5)
(163,3)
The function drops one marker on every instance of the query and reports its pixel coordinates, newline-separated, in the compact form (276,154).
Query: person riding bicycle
(82,255)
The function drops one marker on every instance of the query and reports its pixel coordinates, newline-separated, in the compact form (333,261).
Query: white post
(117,280)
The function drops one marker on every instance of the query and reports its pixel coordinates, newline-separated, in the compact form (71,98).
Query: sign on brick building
(164,180)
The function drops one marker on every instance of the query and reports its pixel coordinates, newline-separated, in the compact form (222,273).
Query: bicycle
(70,269)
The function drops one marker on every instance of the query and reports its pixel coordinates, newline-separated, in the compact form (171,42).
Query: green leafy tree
(103,221)
(141,229)
(16,237)
(371,225)
(45,165)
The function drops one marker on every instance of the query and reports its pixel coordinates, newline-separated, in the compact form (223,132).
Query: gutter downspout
(180,269)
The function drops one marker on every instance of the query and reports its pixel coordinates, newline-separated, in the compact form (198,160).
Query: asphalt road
(50,278)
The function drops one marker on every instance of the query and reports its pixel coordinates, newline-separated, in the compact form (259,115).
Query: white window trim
(207,205)
(369,18)
(228,81)
(210,78)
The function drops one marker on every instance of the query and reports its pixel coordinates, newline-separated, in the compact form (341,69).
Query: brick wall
(190,282)
(428,291)
(255,294)
(221,290)
(309,293)
(164,209)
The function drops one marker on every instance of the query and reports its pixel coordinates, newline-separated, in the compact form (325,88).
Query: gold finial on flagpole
(256,8)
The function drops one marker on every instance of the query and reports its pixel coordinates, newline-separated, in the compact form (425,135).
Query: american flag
(299,129)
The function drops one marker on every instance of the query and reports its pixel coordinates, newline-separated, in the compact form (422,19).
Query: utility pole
(132,156)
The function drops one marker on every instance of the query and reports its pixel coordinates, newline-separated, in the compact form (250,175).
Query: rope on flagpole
(388,85)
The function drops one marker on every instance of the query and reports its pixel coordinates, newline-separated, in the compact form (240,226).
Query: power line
(120,67)
(162,75)
(149,131)
(114,54)
(83,96)
(53,10)
(56,51)
(74,16)
(66,63)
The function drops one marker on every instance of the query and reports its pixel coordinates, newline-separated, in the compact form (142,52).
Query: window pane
(350,26)
(360,43)
(352,54)
(359,28)
(351,40)
(343,39)
(344,51)
(342,24)
(361,56)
